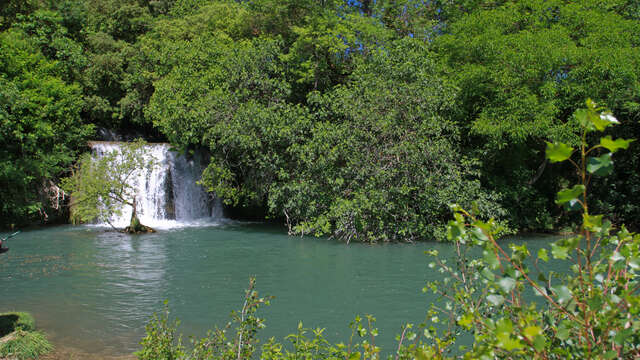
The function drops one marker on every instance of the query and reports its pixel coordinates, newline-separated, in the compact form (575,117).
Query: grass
(25,345)
(20,340)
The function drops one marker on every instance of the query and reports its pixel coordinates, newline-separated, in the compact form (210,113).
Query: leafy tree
(409,18)
(47,29)
(329,173)
(10,9)
(168,44)
(327,46)
(102,185)
(231,100)
(382,162)
(522,67)
(40,126)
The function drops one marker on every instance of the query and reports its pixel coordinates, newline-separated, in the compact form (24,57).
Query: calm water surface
(95,290)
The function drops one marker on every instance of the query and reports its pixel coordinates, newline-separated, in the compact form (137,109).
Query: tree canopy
(40,125)
(356,119)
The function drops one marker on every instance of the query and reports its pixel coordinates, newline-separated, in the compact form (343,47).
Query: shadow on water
(7,324)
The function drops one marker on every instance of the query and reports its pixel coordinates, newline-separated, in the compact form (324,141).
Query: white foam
(168,195)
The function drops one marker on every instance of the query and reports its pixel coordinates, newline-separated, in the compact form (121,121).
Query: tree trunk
(135,227)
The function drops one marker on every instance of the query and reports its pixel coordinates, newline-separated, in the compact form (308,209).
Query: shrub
(161,341)
(590,312)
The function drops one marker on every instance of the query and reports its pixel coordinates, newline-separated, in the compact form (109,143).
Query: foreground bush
(590,312)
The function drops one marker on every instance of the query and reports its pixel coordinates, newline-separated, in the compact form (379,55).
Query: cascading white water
(168,195)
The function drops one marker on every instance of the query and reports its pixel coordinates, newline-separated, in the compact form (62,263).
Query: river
(94,290)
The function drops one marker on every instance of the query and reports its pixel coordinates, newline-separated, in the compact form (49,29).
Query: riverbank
(19,338)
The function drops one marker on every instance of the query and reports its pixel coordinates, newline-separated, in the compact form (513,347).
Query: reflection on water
(95,290)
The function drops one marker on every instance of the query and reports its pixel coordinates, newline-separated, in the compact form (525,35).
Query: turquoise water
(95,290)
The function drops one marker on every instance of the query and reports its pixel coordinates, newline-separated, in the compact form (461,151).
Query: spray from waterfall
(167,195)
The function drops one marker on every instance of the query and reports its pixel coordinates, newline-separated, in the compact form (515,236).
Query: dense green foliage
(375,168)
(360,120)
(589,313)
(522,67)
(40,125)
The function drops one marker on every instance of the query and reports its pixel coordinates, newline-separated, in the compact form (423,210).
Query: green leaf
(563,332)
(520,251)
(557,152)
(567,195)
(605,119)
(491,259)
(507,284)
(488,274)
(615,145)
(510,344)
(455,230)
(479,234)
(466,320)
(622,336)
(601,166)
(598,122)
(611,354)
(483,225)
(559,251)
(539,343)
(504,326)
(562,292)
(542,255)
(582,116)
(542,277)
(532,331)
(495,300)
(592,222)
(590,118)
(362,332)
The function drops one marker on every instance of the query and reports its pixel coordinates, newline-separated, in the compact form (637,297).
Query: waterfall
(168,195)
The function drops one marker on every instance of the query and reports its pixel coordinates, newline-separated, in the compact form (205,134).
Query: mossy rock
(12,321)
(135,227)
